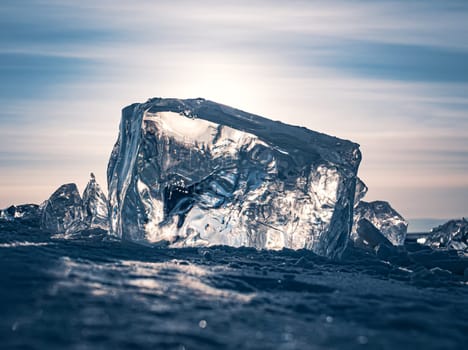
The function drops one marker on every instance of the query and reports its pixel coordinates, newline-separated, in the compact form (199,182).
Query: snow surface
(89,292)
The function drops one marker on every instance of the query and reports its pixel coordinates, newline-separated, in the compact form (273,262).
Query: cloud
(397,61)
(27,75)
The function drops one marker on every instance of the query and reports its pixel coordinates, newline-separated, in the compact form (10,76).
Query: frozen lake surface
(89,292)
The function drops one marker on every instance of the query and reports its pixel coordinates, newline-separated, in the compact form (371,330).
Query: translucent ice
(62,212)
(20,212)
(451,235)
(386,219)
(66,212)
(197,173)
(95,207)
(361,191)
(368,236)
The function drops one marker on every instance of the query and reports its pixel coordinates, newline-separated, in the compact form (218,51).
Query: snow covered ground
(89,292)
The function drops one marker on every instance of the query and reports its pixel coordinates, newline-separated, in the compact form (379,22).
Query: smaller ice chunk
(451,235)
(67,212)
(368,236)
(361,191)
(386,219)
(95,207)
(62,212)
(20,212)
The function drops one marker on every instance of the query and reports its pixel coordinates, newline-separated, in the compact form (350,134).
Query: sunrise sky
(389,75)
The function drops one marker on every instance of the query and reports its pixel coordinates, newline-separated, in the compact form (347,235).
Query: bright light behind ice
(227,79)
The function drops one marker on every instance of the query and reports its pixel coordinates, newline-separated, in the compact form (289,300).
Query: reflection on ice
(421,240)
(24,244)
(173,279)
(181,273)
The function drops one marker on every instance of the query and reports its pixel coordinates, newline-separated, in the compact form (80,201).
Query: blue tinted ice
(62,212)
(95,207)
(386,219)
(451,235)
(20,212)
(66,212)
(197,173)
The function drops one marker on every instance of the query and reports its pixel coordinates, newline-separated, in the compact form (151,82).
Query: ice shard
(386,219)
(62,212)
(451,235)
(197,173)
(361,191)
(95,206)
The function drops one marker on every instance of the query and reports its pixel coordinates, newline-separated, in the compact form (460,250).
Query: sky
(389,75)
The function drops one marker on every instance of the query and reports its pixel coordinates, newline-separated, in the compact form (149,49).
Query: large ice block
(197,173)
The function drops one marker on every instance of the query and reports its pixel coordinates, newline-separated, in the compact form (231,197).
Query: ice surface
(197,173)
(20,212)
(95,206)
(451,235)
(386,219)
(62,212)
(88,293)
